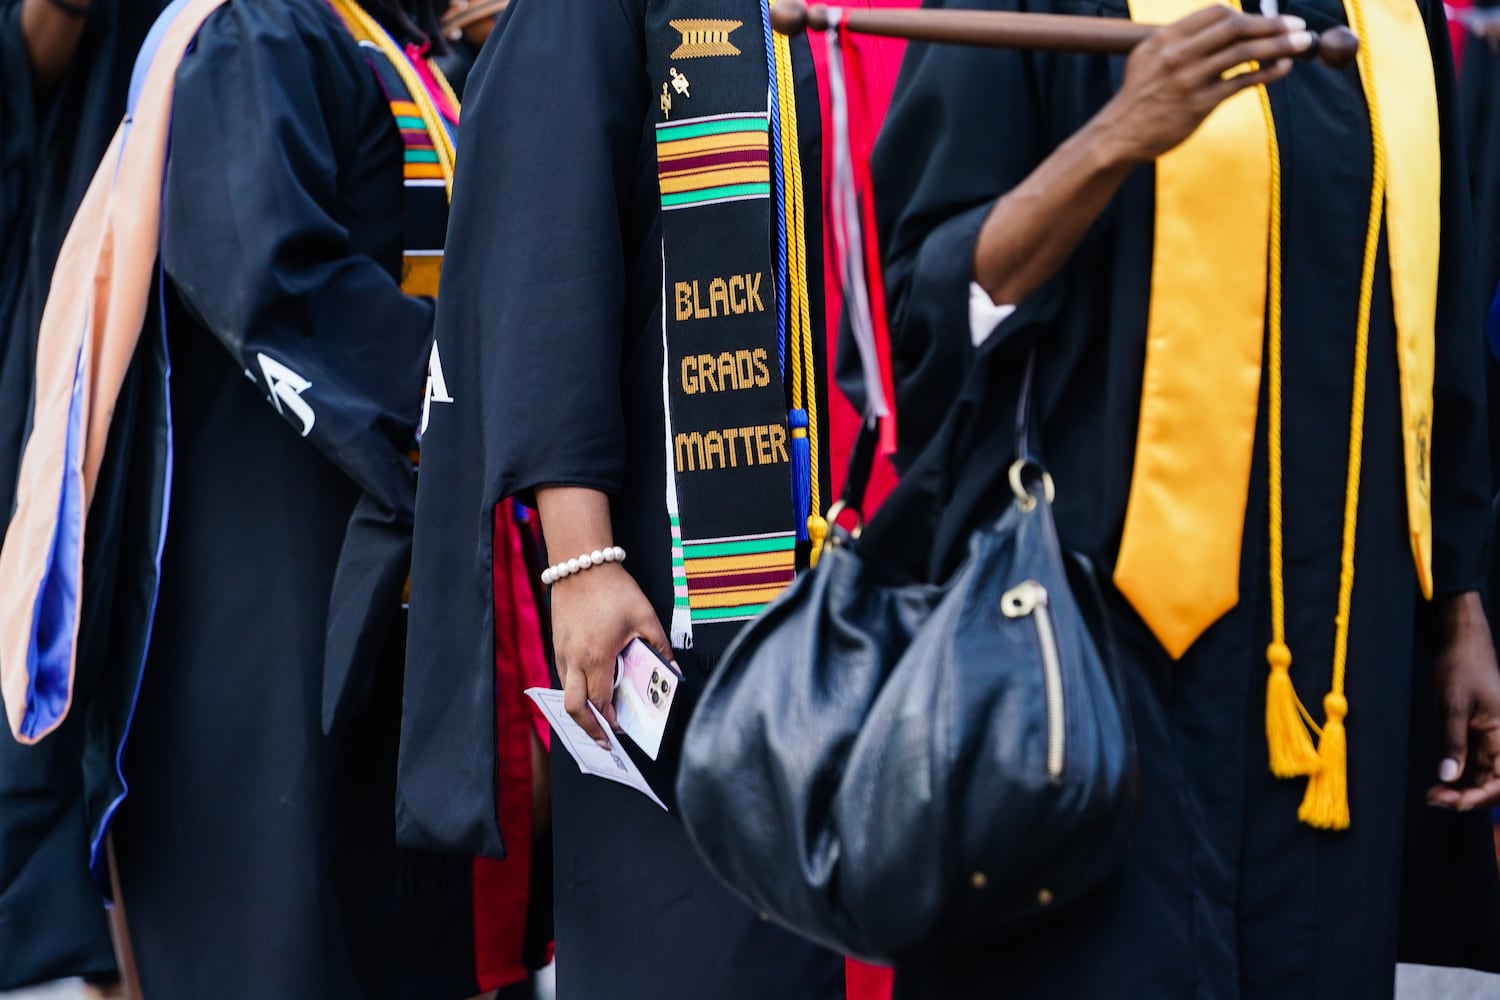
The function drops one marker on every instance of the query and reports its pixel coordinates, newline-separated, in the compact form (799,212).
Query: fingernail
(1448,770)
(1293,23)
(602,744)
(1301,40)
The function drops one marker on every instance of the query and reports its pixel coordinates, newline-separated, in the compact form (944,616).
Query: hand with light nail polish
(1467,680)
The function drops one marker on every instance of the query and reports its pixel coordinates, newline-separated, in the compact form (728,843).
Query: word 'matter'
(731,447)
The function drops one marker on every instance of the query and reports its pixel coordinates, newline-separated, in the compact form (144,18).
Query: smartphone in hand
(645,687)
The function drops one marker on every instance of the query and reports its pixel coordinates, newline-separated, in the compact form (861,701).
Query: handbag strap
(862,456)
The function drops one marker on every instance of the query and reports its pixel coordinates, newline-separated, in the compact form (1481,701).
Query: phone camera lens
(655,698)
(665,688)
(655,676)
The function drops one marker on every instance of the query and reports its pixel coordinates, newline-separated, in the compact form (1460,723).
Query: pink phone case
(655,682)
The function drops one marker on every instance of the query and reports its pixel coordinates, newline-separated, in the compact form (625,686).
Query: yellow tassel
(1291,746)
(817,531)
(1326,804)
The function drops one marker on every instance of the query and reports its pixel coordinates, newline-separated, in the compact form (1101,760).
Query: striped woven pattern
(421,158)
(707,161)
(732,579)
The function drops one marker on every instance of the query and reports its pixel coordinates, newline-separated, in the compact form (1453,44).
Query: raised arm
(1172,82)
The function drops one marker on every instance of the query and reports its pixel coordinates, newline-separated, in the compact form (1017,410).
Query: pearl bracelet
(598,557)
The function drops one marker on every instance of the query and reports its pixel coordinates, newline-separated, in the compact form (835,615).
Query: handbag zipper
(1028,599)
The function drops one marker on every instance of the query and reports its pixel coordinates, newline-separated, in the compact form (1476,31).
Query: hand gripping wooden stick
(1012,30)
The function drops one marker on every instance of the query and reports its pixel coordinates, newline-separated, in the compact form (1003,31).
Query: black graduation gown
(1479,114)
(1448,860)
(257,855)
(52,923)
(549,334)
(1223,893)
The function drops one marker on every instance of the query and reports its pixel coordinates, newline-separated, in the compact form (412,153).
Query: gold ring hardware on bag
(1025,499)
(837,511)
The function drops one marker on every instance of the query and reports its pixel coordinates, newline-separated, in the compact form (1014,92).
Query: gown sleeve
(930,208)
(1460,442)
(530,338)
(275,112)
(540,313)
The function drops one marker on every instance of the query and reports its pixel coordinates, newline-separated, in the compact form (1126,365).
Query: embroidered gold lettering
(735,296)
(713,445)
(762,444)
(689,451)
(708,373)
(762,376)
(718,297)
(747,436)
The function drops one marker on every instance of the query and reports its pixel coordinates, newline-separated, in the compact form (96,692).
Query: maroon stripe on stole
(744,157)
(758,579)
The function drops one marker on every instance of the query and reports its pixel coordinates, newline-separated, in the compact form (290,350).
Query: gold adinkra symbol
(704,37)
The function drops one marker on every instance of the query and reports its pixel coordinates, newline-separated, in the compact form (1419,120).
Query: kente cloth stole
(1211,313)
(426,113)
(741,464)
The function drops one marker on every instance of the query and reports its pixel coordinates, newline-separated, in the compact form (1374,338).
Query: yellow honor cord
(1326,804)
(1291,749)
(799,309)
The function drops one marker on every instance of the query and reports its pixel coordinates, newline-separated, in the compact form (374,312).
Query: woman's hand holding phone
(595,613)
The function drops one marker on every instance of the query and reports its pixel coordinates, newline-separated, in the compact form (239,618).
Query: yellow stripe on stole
(696,180)
(420,275)
(713,144)
(719,565)
(734,598)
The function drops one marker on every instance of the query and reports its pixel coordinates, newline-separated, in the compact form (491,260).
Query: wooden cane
(1012,30)
(119,929)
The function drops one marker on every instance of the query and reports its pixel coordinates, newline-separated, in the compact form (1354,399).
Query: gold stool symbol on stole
(704,37)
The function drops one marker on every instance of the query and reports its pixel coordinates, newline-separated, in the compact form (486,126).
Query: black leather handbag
(899,771)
